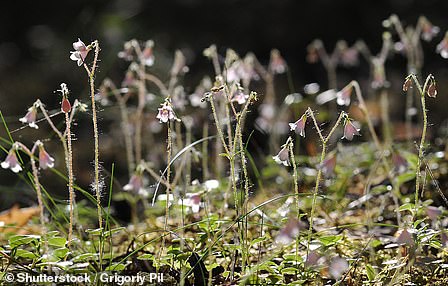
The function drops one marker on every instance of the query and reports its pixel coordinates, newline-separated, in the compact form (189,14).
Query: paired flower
(350,129)
(80,53)
(166,112)
(30,117)
(299,125)
(11,161)
(431,89)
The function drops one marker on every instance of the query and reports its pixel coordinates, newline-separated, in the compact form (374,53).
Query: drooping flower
(193,201)
(237,94)
(179,65)
(312,54)
(350,130)
(166,113)
(11,161)
(407,84)
(312,258)
(147,54)
(299,125)
(135,182)
(343,96)
(240,70)
(442,47)
(80,53)
(283,156)
(429,31)
(328,165)
(433,212)
(45,160)
(379,74)
(240,97)
(290,231)
(129,79)
(277,65)
(196,99)
(348,56)
(432,89)
(30,116)
(127,52)
(405,238)
(400,163)
(338,266)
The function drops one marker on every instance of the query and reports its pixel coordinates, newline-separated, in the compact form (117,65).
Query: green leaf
(116,267)
(113,231)
(405,177)
(146,256)
(18,240)
(289,270)
(96,231)
(25,254)
(371,273)
(375,243)
(57,241)
(257,240)
(407,207)
(84,257)
(330,239)
(61,252)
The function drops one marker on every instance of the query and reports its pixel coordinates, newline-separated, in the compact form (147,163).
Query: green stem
(422,139)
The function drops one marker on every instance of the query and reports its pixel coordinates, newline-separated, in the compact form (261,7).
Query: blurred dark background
(36,37)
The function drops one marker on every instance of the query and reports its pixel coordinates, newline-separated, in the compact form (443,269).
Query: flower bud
(66,106)
(432,90)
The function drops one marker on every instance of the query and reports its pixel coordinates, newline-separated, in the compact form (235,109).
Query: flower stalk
(428,88)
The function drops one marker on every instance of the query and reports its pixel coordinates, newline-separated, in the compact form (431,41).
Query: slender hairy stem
(38,192)
(96,183)
(168,174)
(294,175)
(422,139)
(379,147)
(296,189)
(218,125)
(319,172)
(125,125)
(205,174)
(36,182)
(71,191)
